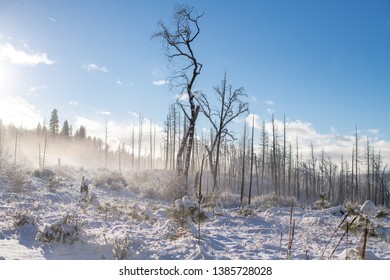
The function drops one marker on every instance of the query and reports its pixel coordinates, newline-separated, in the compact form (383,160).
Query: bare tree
(140,135)
(229,108)
(251,165)
(179,49)
(356,164)
(243,166)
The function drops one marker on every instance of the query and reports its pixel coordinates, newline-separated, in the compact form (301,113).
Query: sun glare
(7,79)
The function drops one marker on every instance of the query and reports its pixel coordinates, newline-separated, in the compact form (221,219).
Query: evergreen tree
(54,123)
(65,131)
(39,128)
(81,133)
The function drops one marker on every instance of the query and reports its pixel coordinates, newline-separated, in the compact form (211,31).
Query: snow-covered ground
(51,219)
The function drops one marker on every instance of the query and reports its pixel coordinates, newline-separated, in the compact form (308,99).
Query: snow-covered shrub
(110,211)
(185,212)
(364,218)
(149,190)
(135,214)
(55,182)
(23,217)
(230,200)
(44,174)
(352,207)
(213,199)
(270,200)
(3,158)
(121,248)
(18,178)
(382,213)
(322,202)
(246,211)
(139,178)
(113,180)
(66,230)
(173,187)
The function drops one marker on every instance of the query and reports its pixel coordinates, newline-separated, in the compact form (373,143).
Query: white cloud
(269,102)
(253,119)
(17,111)
(181,97)
(333,143)
(133,114)
(93,127)
(33,90)
(9,53)
(161,82)
(95,67)
(73,103)
(118,82)
(106,113)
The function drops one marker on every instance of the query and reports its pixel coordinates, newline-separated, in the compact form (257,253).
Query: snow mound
(368,208)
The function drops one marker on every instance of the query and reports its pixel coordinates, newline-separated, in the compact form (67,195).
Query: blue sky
(324,64)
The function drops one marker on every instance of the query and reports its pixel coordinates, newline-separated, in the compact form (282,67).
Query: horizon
(322,65)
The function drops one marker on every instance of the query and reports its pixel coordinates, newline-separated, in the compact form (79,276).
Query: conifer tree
(54,122)
(65,130)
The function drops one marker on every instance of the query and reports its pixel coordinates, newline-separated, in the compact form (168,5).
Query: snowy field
(50,219)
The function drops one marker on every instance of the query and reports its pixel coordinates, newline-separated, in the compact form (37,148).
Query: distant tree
(65,130)
(229,108)
(54,122)
(39,128)
(179,49)
(81,132)
(243,166)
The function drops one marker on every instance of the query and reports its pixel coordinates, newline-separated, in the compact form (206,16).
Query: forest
(233,164)
(221,160)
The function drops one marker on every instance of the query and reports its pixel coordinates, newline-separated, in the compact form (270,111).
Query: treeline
(53,144)
(255,163)
(252,165)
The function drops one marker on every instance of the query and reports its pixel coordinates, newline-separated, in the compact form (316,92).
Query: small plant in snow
(53,183)
(23,217)
(17,176)
(382,213)
(45,173)
(113,180)
(121,248)
(322,202)
(271,200)
(66,230)
(351,207)
(246,211)
(185,212)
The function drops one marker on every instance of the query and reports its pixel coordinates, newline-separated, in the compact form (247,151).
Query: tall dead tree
(229,107)
(105,148)
(264,148)
(179,49)
(251,165)
(243,166)
(132,144)
(356,158)
(140,135)
(275,178)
